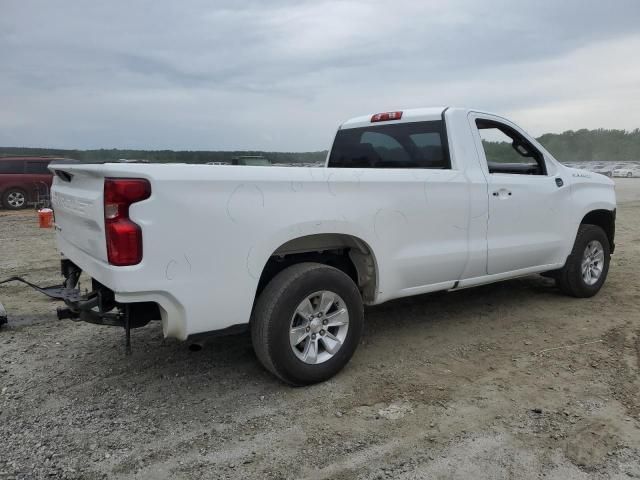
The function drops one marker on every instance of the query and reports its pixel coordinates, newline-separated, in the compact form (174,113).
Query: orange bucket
(45,217)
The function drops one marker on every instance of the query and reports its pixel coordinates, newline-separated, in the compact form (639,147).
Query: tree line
(577,146)
(569,146)
(165,156)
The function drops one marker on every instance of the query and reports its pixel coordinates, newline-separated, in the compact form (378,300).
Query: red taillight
(386,116)
(124,237)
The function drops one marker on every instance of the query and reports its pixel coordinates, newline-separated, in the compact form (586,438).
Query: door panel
(526,225)
(525,221)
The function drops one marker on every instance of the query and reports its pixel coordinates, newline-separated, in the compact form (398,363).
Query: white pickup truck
(408,202)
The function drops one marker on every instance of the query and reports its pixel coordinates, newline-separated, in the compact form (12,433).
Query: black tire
(569,279)
(8,201)
(274,310)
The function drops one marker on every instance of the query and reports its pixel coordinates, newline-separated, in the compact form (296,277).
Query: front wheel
(307,323)
(588,265)
(629,174)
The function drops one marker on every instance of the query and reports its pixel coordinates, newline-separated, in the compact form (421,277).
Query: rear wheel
(14,199)
(307,323)
(629,174)
(588,265)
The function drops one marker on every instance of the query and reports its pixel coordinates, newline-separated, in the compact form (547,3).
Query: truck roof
(408,115)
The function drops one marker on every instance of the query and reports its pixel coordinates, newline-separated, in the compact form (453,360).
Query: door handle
(502,192)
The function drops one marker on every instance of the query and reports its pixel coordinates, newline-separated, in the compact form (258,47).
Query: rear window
(37,167)
(11,166)
(400,145)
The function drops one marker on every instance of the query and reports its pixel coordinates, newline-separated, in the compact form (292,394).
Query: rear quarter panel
(209,230)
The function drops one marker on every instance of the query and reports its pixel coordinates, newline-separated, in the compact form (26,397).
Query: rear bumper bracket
(97,306)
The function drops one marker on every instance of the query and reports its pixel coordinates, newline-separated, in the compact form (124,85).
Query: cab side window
(509,152)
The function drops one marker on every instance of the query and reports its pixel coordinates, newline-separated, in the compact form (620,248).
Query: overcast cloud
(282,75)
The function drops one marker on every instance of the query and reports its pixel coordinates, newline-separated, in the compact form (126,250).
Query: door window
(507,151)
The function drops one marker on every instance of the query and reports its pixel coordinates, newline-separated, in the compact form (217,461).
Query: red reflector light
(386,116)
(124,237)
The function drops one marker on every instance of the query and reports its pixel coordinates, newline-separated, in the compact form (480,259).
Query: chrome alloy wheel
(16,199)
(592,262)
(319,327)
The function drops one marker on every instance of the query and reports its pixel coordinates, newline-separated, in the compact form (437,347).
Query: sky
(282,75)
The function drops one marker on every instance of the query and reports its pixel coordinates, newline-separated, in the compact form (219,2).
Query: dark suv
(23,179)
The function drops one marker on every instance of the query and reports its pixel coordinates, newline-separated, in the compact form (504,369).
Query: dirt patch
(511,380)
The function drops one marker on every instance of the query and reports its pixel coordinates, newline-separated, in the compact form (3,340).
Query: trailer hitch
(92,307)
(57,292)
(98,306)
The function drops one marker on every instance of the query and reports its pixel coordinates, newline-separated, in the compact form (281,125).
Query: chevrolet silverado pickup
(408,202)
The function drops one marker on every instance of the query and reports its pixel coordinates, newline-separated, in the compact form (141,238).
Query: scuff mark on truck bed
(347,181)
(248,263)
(245,203)
(296,186)
(169,272)
(173,268)
(385,220)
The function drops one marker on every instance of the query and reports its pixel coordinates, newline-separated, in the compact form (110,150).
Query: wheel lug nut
(324,322)
(308,328)
(313,337)
(321,332)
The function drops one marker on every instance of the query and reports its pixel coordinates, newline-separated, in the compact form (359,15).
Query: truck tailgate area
(77,195)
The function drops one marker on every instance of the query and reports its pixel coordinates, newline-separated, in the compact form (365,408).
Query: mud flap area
(97,306)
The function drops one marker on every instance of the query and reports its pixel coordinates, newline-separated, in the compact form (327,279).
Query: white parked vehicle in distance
(602,169)
(625,172)
(409,202)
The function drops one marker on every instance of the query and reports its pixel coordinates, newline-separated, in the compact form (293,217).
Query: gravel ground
(511,380)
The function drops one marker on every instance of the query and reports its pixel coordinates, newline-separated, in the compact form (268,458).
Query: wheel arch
(344,251)
(605,219)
